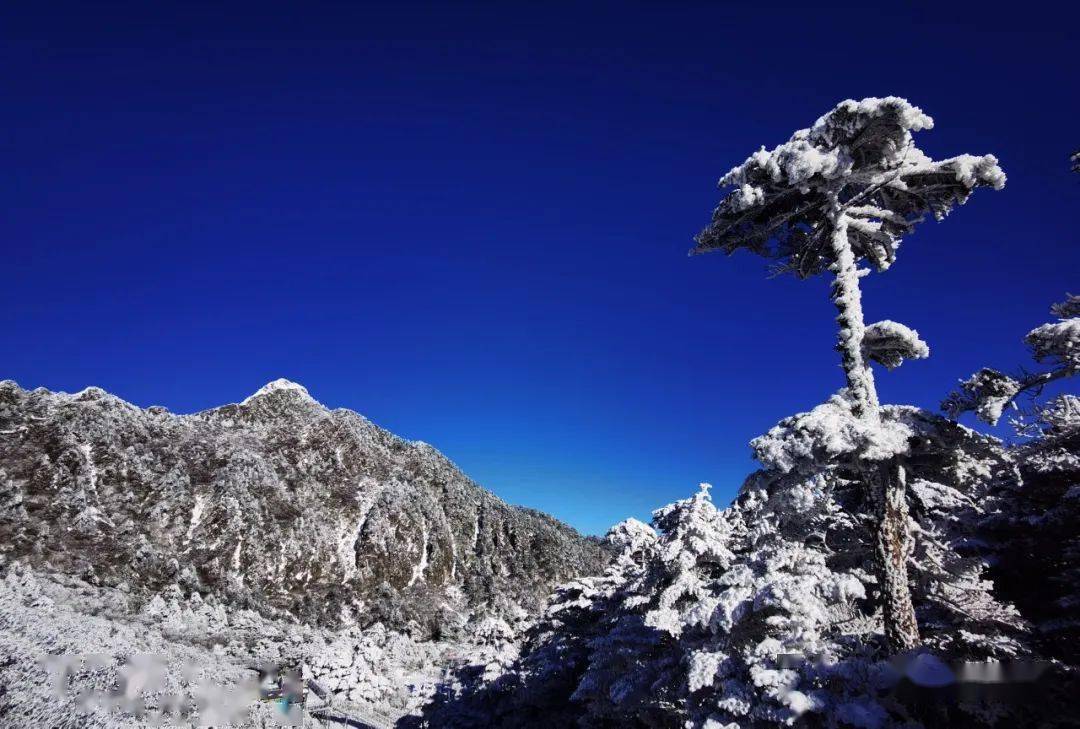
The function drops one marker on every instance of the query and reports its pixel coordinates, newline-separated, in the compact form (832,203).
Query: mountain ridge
(276,503)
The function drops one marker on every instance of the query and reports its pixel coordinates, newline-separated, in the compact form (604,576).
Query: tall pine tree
(842,193)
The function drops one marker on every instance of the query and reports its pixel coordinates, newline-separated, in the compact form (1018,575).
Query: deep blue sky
(470,223)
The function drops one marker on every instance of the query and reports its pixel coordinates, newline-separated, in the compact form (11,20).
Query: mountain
(276,504)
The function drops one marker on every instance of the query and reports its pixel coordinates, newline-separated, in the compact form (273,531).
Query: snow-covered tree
(542,687)
(761,614)
(1056,344)
(844,192)
(1032,516)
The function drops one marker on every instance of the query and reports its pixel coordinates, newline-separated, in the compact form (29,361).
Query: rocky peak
(281,403)
(279,386)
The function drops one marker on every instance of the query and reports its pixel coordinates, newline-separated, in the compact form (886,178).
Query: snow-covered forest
(886,566)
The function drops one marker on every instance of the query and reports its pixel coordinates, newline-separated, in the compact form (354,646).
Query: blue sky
(470,222)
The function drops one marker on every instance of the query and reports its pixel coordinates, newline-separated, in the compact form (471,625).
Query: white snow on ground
(197,512)
(422,565)
(91,469)
(236,557)
(378,672)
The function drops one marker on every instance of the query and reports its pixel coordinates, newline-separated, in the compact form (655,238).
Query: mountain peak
(276,386)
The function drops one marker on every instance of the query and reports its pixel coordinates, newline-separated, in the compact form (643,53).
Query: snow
(236,556)
(421,566)
(857,169)
(292,510)
(704,669)
(767,612)
(890,343)
(87,451)
(988,392)
(197,511)
(199,649)
(971,170)
(928,670)
(278,385)
(1058,342)
(1062,413)
(828,433)
(818,153)
(631,535)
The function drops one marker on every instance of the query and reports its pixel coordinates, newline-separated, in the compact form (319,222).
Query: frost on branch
(988,391)
(1062,414)
(1067,309)
(827,435)
(889,343)
(1058,342)
(863,153)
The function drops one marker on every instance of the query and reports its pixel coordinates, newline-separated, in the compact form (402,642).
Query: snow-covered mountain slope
(276,504)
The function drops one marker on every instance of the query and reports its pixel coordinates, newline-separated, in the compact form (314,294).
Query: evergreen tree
(844,192)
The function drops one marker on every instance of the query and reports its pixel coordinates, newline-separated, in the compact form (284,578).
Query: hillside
(276,504)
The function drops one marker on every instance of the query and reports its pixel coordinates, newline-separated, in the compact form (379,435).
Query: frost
(829,432)
(988,392)
(704,669)
(865,149)
(889,343)
(1058,342)
(631,535)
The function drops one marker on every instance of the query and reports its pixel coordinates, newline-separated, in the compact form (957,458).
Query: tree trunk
(847,298)
(892,551)
(887,488)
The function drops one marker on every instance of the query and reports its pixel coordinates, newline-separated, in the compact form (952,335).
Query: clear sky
(470,222)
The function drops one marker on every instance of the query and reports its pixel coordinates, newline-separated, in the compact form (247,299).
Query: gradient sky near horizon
(469,222)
